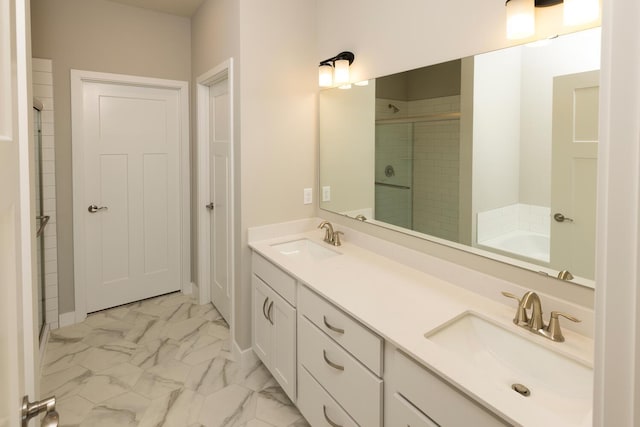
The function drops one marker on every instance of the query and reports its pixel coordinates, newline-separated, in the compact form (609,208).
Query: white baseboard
(67,319)
(245,357)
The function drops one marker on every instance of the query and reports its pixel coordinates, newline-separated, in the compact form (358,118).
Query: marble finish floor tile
(161,362)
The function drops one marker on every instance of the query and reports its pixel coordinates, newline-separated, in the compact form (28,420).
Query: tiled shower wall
(43,90)
(432,165)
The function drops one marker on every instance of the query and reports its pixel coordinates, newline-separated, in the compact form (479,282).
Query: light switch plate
(326,193)
(308,196)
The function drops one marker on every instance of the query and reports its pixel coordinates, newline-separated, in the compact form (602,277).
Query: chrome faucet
(534,323)
(330,236)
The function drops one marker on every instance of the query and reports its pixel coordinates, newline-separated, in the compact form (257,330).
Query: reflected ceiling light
(521,21)
(362,83)
(335,71)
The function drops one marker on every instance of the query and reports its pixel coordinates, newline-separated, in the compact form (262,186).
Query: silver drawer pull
(269,312)
(329,420)
(333,328)
(330,363)
(264,308)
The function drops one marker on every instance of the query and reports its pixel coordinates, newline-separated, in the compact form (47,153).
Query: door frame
(78,78)
(204,82)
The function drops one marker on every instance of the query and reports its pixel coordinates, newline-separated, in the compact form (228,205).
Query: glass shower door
(41,221)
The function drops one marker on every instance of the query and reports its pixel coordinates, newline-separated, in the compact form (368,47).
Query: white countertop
(401,304)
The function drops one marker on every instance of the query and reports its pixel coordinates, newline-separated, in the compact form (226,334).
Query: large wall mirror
(494,153)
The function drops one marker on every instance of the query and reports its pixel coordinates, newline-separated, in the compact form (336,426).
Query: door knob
(561,218)
(30,410)
(95,208)
(210,206)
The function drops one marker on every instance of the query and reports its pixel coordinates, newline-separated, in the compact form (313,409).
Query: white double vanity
(369,334)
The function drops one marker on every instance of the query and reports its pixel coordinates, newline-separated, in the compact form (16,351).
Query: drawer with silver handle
(340,374)
(317,406)
(365,345)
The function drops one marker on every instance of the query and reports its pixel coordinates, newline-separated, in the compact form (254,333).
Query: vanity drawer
(317,406)
(277,279)
(441,402)
(350,334)
(345,379)
(401,413)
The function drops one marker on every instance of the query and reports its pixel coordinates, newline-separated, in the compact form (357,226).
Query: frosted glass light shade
(521,21)
(325,75)
(578,12)
(341,75)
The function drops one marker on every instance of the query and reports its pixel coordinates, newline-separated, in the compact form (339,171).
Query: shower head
(394,108)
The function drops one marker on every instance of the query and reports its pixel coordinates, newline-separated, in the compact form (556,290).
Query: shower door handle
(95,208)
(45,219)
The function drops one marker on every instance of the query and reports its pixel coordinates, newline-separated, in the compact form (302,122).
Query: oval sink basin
(549,380)
(305,249)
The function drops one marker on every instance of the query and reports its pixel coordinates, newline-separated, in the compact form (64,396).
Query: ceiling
(173,7)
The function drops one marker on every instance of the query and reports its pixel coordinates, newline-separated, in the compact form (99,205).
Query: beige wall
(419,33)
(276,94)
(98,35)
(279,86)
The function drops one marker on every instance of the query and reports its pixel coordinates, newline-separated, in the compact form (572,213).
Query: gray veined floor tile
(179,408)
(233,406)
(186,329)
(106,334)
(212,376)
(145,330)
(162,379)
(108,355)
(110,383)
(161,362)
(199,349)
(63,357)
(127,409)
(218,328)
(155,352)
(74,408)
(274,407)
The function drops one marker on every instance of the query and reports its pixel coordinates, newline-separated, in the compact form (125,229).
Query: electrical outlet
(326,193)
(308,196)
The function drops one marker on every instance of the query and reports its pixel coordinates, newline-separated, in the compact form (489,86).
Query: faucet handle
(553,330)
(336,238)
(521,317)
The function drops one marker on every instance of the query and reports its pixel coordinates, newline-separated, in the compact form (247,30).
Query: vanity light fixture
(335,71)
(521,14)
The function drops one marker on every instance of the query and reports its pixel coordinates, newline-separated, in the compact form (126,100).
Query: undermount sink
(549,380)
(305,249)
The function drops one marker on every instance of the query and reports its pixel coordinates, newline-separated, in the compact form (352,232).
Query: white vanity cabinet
(274,322)
(415,397)
(340,366)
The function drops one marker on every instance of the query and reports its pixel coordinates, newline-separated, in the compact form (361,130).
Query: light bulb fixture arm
(349,56)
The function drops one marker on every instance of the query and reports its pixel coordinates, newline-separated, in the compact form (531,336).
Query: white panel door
(220,227)
(131,175)
(573,172)
(17,335)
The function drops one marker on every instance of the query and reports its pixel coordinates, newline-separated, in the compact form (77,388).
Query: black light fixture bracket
(544,3)
(349,56)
